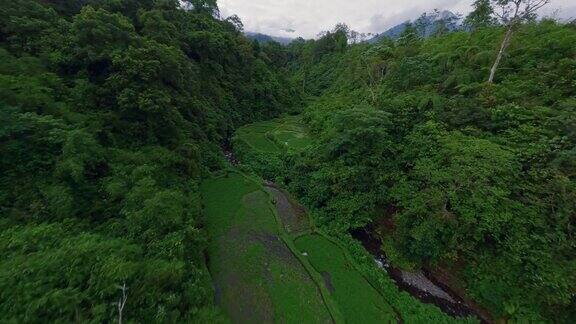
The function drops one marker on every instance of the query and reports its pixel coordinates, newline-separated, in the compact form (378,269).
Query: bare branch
(513,13)
(537,5)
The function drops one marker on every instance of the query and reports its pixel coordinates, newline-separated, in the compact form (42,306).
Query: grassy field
(278,135)
(268,262)
(256,276)
(358,301)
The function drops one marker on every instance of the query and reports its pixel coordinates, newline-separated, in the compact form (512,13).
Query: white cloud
(309,17)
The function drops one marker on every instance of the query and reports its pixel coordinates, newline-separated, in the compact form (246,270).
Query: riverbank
(343,279)
(422,284)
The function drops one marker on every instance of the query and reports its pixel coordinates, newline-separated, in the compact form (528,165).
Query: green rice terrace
(275,136)
(257,276)
(270,264)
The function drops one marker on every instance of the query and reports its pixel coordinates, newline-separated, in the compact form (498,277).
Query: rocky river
(421,284)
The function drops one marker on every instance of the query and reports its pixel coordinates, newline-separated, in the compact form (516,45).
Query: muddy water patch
(292,215)
(328,281)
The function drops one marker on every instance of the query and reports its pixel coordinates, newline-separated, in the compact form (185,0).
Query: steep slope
(110,113)
(455,175)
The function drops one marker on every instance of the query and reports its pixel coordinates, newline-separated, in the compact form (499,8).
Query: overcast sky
(306,18)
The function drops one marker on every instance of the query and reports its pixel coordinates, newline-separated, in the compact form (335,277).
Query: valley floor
(270,264)
(257,277)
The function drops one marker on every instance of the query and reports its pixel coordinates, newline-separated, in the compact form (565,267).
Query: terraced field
(262,275)
(358,301)
(257,278)
(274,136)
(270,264)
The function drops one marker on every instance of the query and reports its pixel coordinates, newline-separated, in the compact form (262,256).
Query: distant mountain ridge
(263,38)
(429,22)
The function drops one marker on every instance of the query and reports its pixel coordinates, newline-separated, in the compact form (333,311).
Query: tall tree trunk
(503,48)
(122,302)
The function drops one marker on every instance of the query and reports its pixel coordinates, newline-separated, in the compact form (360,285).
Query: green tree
(110,112)
(409,36)
(512,13)
(203,6)
(421,24)
(482,15)
(98,34)
(456,185)
(157,28)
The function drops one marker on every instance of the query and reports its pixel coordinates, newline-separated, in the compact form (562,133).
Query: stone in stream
(420,281)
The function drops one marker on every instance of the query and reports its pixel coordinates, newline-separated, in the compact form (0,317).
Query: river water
(419,284)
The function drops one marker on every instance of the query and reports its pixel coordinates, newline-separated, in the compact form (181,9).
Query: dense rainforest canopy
(111,111)
(475,177)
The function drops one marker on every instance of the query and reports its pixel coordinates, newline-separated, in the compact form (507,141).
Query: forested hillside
(454,172)
(113,112)
(110,112)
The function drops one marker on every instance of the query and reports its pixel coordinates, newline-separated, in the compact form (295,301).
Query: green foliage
(410,35)
(481,16)
(49,264)
(471,177)
(261,146)
(358,300)
(341,167)
(258,276)
(455,195)
(110,112)
(99,34)
(331,42)
(203,6)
